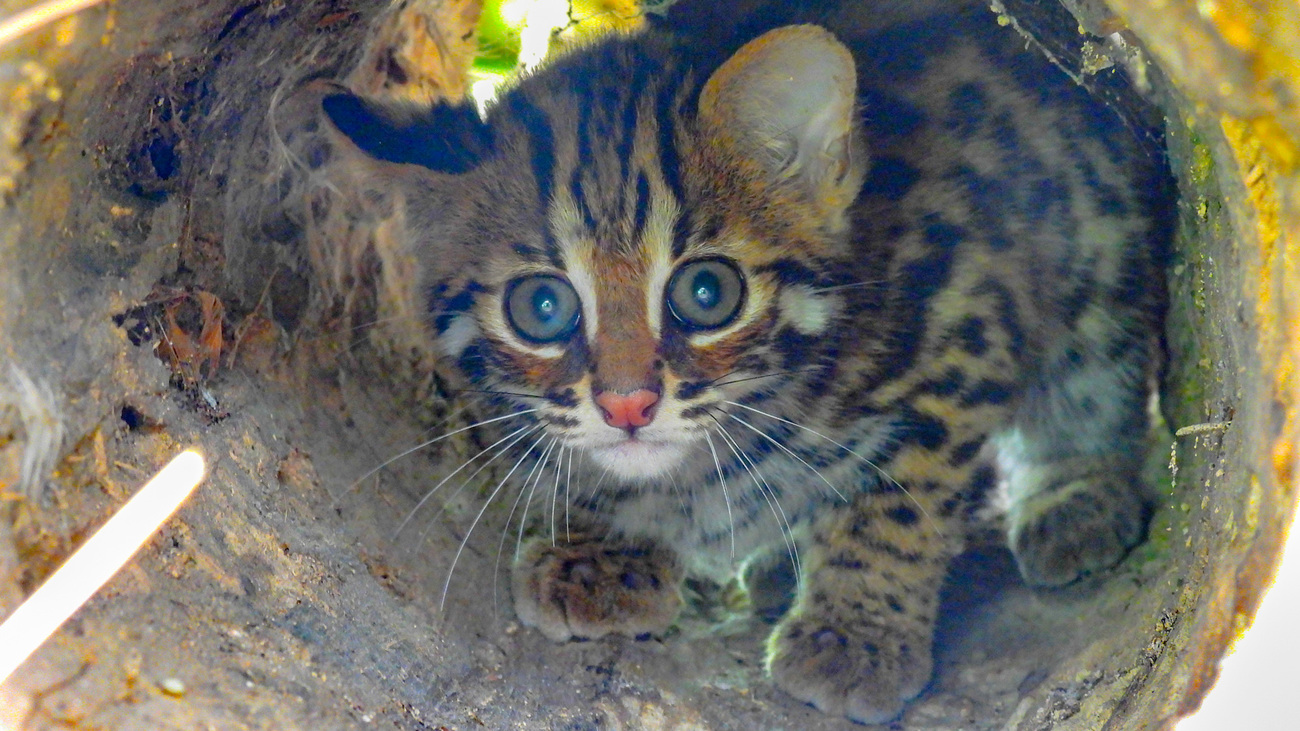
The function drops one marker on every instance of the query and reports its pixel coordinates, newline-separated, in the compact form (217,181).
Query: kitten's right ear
(446,139)
(786,103)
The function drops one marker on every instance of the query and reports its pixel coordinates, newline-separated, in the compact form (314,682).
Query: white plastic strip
(96,561)
(26,21)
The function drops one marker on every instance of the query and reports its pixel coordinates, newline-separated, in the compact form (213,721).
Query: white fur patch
(639,460)
(462,331)
(805,310)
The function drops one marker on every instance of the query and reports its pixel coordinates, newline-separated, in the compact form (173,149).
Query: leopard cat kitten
(794,280)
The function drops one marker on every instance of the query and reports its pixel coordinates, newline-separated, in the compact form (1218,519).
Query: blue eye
(542,308)
(706,294)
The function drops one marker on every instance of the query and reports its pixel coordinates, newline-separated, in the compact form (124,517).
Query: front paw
(588,589)
(858,670)
(1078,528)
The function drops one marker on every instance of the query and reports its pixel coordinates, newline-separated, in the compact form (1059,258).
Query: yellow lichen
(1253,502)
(1236,21)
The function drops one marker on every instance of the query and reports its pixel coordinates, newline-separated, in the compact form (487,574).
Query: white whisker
(442,603)
(334,499)
(933,523)
(322,334)
(435,440)
(677,490)
(534,476)
(722,482)
(837,287)
(555,489)
(568,498)
(522,432)
(790,452)
(764,489)
(470,479)
(540,468)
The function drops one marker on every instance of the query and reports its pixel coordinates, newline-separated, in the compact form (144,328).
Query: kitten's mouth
(635,458)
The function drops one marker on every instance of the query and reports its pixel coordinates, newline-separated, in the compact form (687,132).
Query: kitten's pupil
(707,288)
(544,304)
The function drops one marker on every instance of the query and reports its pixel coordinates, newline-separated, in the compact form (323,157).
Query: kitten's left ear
(786,102)
(449,138)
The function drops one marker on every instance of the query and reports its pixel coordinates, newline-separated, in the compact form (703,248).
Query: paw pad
(590,589)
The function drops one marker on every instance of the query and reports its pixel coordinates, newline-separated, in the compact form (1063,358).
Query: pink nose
(633,410)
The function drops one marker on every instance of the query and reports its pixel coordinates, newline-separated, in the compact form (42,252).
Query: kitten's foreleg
(858,640)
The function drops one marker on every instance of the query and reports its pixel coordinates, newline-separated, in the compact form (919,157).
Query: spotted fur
(950,258)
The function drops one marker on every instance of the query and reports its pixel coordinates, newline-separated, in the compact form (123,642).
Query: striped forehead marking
(576,251)
(658,241)
(619,201)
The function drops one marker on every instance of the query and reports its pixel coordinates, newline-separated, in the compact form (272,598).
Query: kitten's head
(625,245)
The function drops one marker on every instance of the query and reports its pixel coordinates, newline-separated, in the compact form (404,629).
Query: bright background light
(517,35)
(536,21)
(1259,678)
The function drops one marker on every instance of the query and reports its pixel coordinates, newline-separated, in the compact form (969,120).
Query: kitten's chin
(635,460)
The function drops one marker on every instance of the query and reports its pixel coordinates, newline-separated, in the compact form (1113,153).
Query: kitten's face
(626,339)
(632,251)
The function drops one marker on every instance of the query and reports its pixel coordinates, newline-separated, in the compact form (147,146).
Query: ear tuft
(786,101)
(446,139)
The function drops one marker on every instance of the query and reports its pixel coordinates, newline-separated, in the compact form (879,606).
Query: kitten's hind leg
(586,588)
(1075,499)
